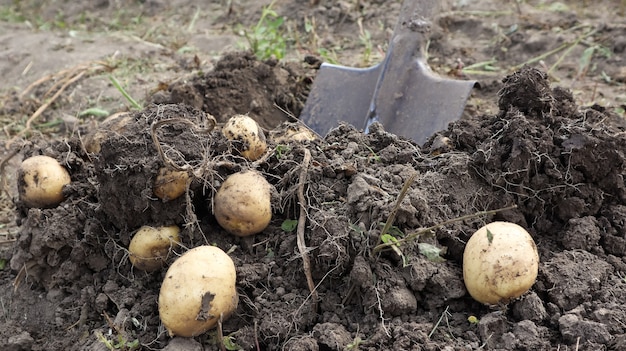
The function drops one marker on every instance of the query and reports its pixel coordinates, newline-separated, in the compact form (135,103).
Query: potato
(246,135)
(198,288)
(150,247)
(292,132)
(170,184)
(242,205)
(116,123)
(500,263)
(40,182)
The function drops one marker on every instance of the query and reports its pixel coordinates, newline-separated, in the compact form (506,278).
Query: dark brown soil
(561,164)
(551,143)
(267,91)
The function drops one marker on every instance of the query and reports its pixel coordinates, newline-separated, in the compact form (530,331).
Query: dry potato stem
(306,262)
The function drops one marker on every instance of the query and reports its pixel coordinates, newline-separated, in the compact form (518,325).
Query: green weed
(329,56)
(230,344)
(266,39)
(473,320)
(11,14)
(281,150)
(94,111)
(354,345)
(124,93)
(310,28)
(120,344)
(289,225)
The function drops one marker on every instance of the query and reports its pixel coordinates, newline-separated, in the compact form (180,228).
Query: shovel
(401,92)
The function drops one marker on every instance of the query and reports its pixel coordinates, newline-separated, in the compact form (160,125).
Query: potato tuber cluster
(199,288)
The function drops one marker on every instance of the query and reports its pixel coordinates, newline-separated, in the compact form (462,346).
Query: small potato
(242,205)
(40,182)
(150,247)
(500,263)
(198,288)
(246,135)
(292,132)
(170,184)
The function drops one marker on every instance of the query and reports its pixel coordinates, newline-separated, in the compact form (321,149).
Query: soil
(548,138)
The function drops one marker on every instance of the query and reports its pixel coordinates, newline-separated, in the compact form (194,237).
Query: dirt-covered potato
(198,289)
(150,247)
(113,124)
(40,181)
(289,132)
(247,136)
(500,263)
(170,184)
(242,205)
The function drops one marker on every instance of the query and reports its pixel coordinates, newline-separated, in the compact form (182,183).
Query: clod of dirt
(129,163)
(529,307)
(527,90)
(583,273)
(333,336)
(241,84)
(573,330)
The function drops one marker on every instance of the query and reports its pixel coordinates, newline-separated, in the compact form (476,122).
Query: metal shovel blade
(401,92)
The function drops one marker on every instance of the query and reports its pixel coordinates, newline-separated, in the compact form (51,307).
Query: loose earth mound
(561,165)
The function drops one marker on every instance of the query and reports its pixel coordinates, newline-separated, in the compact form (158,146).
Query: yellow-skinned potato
(500,263)
(242,205)
(246,135)
(199,287)
(170,184)
(150,247)
(40,181)
(290,132)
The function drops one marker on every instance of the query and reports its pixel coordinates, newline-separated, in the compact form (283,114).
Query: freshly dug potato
(150,247)
(242,205)
(290,132)
(198,288)
(500,263)
(113,124)
(40,181)
(246,135)
(170,184)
